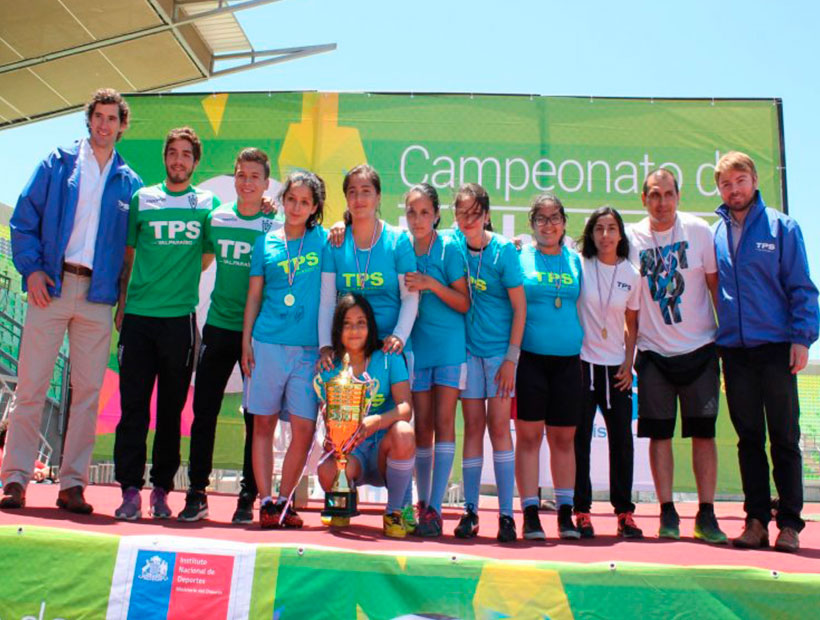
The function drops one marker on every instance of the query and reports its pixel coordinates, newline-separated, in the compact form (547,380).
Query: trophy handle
(317,386)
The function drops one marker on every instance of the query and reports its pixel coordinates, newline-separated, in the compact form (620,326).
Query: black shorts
(549,389)
(658,394)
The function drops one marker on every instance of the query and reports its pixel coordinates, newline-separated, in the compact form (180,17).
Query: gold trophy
(347,400)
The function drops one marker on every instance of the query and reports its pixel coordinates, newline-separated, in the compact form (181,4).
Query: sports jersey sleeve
(511,275)
(207,239)
(404,254)
(258,257)
(328,259)
(708,245)
(454,268)
(397,368)
(133,216)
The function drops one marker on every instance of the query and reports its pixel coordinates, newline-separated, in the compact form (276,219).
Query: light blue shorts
(282,381)
(454,376)
(367,453)
(481,373)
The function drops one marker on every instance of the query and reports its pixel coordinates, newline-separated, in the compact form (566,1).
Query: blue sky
(638,48)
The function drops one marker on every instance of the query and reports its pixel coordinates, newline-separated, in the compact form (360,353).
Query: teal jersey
(438,334)
(384,371)
(391,255)
(491,272)
(550,329)
(279,323)
(166,230)
(230,236)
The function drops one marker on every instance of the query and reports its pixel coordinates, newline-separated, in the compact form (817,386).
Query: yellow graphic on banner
(520,591)
(360,615)
(319,144)
(214,106)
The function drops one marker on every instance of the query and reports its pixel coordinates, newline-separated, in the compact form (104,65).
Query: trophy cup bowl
(346,403)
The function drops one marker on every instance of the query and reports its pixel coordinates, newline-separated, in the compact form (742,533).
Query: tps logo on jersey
(173,230)
(478,284)
(235,250)
(311,259)
(551,278)
(375,279)
(765,247)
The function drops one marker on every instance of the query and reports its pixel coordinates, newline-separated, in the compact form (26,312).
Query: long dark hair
(587,242)
(317,188)
(345,303)
(429,192)
(369,173)
(543,200)
(479,196)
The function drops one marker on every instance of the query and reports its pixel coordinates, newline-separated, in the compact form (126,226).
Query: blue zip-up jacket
(765,294)
(44,217)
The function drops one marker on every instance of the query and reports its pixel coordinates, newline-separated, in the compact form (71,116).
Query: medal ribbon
(361,278)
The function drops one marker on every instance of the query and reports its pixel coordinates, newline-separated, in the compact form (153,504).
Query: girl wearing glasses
(609,314)
(495,325)
(548,380)
(439,351)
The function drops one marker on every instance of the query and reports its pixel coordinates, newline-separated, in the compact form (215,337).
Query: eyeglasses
(556,219)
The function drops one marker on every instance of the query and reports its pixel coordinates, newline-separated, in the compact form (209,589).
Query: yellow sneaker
(394,525)
(336,521)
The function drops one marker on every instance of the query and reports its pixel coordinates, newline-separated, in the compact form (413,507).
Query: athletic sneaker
(532,524)
(131,507)
(430,524)
(196,506)
(583,523)
(506,529)
(269,515)
(408,516)
(393,524)
(159,504)
(707,528)
(627,527)
(670,525)
(566,528)
(292,520)
(468,524)
(244,509)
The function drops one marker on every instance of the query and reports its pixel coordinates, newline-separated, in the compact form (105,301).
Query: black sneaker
(196,506)
(506,529)
(670,525)
(468,524)
(627,528)
(244,509)
(583,523)
(532,524)
(566,528)
(707,528)
(269,514)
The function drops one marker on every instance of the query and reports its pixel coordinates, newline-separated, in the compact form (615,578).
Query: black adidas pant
(220,351)
(152,350)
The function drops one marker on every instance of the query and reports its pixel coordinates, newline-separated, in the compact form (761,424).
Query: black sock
(706,508)
(668,507)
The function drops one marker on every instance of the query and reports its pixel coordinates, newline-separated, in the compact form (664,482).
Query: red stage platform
(364,533)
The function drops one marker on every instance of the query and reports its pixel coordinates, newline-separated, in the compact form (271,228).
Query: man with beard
(768,318)
(68,239)
(158,323)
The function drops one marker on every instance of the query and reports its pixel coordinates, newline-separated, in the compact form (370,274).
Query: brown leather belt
(77,270)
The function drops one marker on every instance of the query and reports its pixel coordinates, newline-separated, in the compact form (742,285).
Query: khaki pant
(89,338)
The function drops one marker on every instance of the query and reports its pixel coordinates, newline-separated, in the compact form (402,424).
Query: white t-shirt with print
(626,290)
(676,314)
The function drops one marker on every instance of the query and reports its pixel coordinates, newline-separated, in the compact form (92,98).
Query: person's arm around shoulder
(801,293)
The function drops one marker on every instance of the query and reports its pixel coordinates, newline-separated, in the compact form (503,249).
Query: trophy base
(340,504)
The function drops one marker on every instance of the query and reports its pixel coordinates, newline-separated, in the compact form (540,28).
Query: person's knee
(402,440)
(561,439)
(264,425)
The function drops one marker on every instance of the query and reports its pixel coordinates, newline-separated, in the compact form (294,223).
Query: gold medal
(290,300)
(603,333)
(670,288)
(557,302)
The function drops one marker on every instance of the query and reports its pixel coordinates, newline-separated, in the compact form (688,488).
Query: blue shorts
(282,381)
(367,453)
(454,376)
(481,373)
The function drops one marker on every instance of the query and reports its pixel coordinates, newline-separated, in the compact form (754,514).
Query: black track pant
(762,394)
(152,350)
(220,351)
(618,418)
